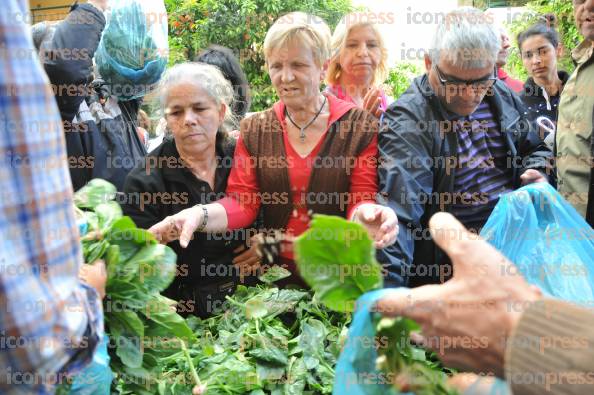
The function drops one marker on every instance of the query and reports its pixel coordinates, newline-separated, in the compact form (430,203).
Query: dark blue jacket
(417,172)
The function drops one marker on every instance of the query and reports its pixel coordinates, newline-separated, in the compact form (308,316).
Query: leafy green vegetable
(269,341)
(260,345)
(96,192)
(273,274)
(336,259)
(143,326)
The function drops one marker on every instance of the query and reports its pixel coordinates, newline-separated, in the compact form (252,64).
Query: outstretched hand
(179,226)
(380,221)
(468,319)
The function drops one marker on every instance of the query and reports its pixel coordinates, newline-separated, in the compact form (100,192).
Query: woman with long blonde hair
(358,67)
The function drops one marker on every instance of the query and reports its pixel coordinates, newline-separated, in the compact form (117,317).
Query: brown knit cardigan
(347,138)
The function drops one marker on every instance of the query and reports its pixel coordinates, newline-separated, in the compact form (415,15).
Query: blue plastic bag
(547,239)
(551,245)
(96,378)
(355,372)
(133,50)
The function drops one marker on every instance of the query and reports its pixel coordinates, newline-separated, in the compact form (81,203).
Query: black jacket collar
(530,87)
(167,154)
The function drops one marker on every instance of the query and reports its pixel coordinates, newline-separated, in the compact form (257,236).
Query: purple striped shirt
(482,174)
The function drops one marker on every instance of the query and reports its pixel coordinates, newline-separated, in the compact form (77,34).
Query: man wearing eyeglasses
(455,141)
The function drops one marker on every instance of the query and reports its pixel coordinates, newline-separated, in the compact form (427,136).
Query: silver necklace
(302,128)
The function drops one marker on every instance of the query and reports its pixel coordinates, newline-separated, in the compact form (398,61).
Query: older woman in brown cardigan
(309,153)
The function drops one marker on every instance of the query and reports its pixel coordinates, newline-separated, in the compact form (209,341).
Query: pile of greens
(337,259)
(142,325)
(268,341)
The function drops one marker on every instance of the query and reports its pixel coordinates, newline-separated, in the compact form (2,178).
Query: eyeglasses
(480,84)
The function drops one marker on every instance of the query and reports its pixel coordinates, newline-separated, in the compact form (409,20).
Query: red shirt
(243,202)
(515,85)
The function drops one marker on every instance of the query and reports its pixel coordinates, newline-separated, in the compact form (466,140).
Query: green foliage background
(240,25)
(570,36)
(400,77)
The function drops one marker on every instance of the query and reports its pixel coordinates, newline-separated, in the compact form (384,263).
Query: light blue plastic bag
(551,245)
(96,378)
(547,239)
(356,373)
(133,50)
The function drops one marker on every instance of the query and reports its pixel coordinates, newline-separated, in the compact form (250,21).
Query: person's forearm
(551,351)
(217,218)
(74,328)
(239,215)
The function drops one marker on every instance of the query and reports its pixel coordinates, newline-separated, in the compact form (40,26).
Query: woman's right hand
(372,102)
(248,259)
(179,226)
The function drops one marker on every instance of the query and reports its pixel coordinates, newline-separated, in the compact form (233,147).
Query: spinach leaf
(296,377)
(95,192)
(337,259)
(107,214)
(128,237)
(273,274)
(164,321)
(128,344)
(156,265)
(273,355)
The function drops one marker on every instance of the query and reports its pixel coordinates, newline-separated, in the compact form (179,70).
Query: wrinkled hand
(372,101)
(179,226)
(380,221)
(468,319)
(530,176)
(199,390)
(249,259)
(95,275)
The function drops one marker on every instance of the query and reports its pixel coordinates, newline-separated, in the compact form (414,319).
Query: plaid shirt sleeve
(50,323)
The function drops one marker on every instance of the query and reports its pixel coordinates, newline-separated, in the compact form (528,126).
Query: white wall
(408,25)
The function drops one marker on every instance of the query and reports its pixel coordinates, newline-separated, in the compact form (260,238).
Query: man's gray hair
(467,37)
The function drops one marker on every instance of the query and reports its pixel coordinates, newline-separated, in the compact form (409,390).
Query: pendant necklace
(302,129)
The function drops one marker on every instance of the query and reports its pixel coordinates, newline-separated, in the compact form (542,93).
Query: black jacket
(107,150)
(536,103)
(164,187)
(415,177)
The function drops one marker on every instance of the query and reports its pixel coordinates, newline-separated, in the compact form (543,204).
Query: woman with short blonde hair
(307,29)
(359,63)
(290,159)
